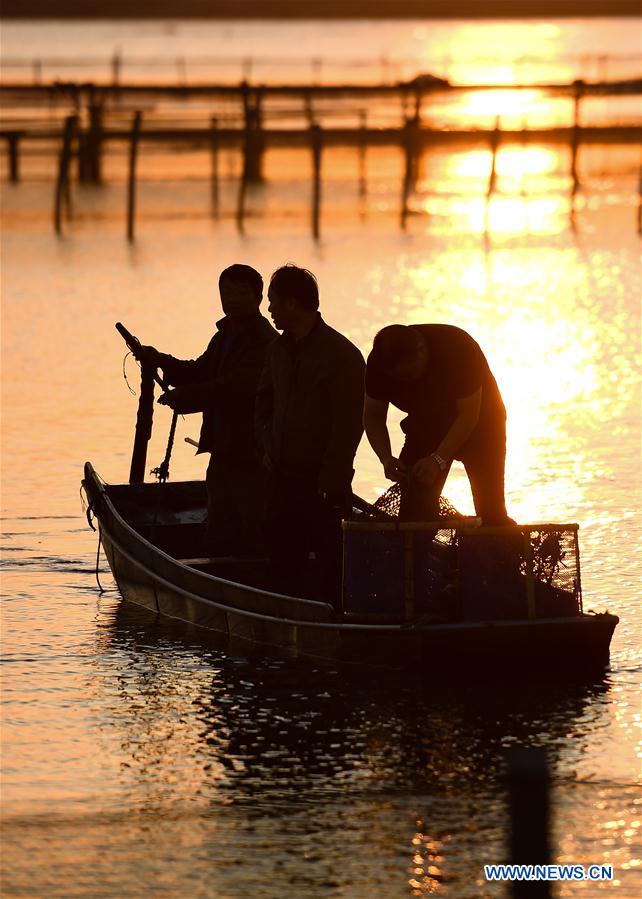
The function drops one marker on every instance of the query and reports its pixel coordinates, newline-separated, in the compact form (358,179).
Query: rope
(129,386)
(100,539)
(162,472)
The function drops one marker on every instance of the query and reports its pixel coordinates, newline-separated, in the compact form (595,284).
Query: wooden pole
(240,206)
(62,181)
(308,108)
(528,789)
(14,160)
(253,119)
(363,142)
(95,143)
(494,146)
(525,140)
(90,145)
(214,152)
(316,140)
(116,65)
(409,146)
(144,422)
(131,189)
(640,202)
(578,91)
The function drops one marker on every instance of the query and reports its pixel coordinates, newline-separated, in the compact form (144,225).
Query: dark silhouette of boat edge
(147,544)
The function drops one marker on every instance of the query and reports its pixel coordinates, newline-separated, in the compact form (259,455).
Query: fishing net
(386,507)
(456,571)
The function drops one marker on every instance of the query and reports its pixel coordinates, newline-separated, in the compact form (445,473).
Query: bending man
(439,376)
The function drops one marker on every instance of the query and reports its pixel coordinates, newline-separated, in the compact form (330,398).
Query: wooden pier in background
(100,114)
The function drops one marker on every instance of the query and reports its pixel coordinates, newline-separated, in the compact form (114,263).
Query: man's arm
(375,415)
(468,410)
(237,384)
(180,371)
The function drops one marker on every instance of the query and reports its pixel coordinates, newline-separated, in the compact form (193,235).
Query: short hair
(243,274)
(298,283)
(392,345)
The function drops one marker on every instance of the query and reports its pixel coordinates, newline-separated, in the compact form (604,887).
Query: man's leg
(248,484)
(223,520)
(484,466)
(287,533)
(419,502)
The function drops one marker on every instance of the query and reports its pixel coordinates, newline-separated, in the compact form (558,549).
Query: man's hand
(395,470)
(168,399)
(426,471)
(176,400)
(151,355)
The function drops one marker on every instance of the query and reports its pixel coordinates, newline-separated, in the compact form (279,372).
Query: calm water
(140,761)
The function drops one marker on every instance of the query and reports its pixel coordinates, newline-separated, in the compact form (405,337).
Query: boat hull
(298,628)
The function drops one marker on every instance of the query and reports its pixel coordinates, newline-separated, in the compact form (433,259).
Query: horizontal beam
(319,9)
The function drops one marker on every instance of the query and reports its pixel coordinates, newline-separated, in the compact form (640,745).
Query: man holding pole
(222,384)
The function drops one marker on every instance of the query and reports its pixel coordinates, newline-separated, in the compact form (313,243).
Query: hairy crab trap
(453,569)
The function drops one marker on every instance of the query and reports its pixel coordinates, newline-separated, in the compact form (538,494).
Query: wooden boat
(149,531)
(450,596)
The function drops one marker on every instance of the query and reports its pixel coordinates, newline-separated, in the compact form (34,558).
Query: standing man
(222,384)
(440,377)
(308,424)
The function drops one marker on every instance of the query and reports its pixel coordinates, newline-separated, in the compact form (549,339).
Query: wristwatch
(443,465)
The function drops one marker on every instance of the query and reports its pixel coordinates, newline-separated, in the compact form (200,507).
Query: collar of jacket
(242,325)
(298,346)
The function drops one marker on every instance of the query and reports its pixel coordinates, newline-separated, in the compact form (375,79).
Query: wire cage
(453,569)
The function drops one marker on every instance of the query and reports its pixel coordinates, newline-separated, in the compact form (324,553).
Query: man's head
(241,289)
(294,297)
(401,352)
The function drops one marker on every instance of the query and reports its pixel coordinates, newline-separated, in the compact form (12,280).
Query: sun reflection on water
(557,359)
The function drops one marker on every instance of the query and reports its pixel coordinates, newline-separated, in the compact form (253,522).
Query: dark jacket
(222,385)
(309,406)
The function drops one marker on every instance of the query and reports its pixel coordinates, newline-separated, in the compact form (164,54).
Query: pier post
(243,180)
(116,65)
(62,194)
(131,183)
(90,145)
(363,143)
(528,796)
(308,108)
(576,136)
(494,146)
(14,160)
(409,142)
(144,423)
(524,143)
(214,169)
(254,141)
(316,141)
